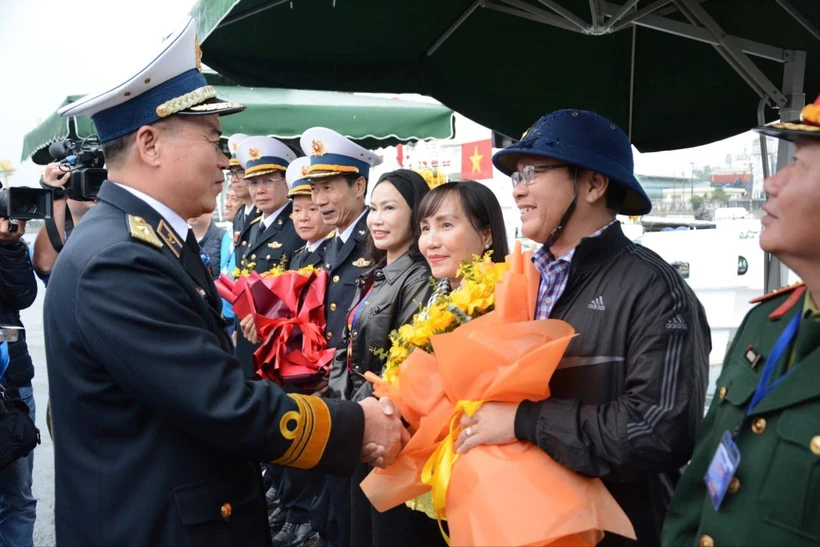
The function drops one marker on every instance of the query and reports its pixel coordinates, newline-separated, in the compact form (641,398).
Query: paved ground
(43,454)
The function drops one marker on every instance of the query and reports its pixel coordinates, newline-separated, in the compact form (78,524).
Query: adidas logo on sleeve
(597,304)
(676,322)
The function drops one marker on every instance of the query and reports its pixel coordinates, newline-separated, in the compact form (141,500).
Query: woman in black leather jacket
(388,296)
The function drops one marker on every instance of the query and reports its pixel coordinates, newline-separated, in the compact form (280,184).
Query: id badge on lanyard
(727,456)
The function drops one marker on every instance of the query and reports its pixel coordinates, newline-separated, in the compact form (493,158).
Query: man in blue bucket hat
(627,399)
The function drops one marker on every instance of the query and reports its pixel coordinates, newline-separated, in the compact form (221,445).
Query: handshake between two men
(384,432)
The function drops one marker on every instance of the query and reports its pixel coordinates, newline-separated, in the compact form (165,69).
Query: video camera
(84,160)
(24,203)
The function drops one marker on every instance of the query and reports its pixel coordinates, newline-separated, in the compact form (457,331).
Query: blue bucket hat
(584,139)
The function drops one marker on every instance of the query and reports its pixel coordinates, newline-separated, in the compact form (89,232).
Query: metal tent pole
(776,274)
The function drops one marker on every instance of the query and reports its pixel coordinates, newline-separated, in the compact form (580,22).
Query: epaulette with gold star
(142,231)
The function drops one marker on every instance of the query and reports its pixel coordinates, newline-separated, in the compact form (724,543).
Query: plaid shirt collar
(554,275)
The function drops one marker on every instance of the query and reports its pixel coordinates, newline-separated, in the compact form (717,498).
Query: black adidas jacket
(628,397)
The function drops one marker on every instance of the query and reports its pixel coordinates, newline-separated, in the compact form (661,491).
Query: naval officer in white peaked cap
(156,429)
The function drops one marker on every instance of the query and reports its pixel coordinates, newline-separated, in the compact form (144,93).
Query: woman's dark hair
(412,188)
(479,204)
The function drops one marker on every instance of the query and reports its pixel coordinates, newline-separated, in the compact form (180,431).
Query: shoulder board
(331,235)
(257,219)
(142,231)
(796,296)
(777,292)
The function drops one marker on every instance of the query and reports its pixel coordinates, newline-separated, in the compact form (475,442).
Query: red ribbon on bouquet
(294,347)
(288,312)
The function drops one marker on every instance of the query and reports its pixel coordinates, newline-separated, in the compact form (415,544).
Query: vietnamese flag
(476,160)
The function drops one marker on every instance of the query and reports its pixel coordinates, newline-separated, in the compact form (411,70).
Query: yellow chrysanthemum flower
(475,297)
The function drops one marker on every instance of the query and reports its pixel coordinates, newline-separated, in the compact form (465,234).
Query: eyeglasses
(527,174)
(238,173)
(267,182)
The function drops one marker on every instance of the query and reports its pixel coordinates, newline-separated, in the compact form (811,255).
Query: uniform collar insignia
(142,231)
(169,237)
(361,232)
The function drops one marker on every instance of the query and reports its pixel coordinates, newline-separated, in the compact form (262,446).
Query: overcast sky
(52,49)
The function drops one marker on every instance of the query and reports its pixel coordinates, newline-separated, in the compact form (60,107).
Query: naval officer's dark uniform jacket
(344,266)
(774,497)
(316,258)
(242,224)
(264,248)
(330,513)
(156,426)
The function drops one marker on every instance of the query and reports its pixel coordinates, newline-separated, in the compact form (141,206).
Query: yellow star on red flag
(475,159)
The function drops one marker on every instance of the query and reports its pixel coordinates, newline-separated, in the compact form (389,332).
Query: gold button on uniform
(244,243)
(329,335)
(706,541)
(225,510)
(723,391)
(332,307)
(335,278)
(759,426)
(814,445)
(734,485)
(253,257)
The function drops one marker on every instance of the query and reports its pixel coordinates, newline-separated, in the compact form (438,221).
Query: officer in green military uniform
(754,478)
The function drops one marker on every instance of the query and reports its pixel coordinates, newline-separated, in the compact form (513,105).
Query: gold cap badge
(317,148)
(254,154)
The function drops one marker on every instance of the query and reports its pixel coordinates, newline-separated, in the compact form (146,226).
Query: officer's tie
(337,249)
(193,261)
(807,340)
(256,233)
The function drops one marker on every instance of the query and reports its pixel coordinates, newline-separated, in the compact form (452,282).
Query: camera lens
(23,206)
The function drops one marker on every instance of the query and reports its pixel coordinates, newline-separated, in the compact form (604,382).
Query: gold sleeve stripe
(308,427)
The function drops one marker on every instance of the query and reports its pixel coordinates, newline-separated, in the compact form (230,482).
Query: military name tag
(722,469)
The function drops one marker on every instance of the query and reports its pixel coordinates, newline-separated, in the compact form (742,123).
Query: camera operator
(18,289)
(55,231)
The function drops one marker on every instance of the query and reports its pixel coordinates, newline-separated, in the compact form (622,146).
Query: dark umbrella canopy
(505,71)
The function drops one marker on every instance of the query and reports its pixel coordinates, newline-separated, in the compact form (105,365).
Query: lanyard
(4,358)
(780,346)
(358,309)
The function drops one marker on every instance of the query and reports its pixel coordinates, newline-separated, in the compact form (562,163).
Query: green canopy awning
(673,74)
(285,113)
